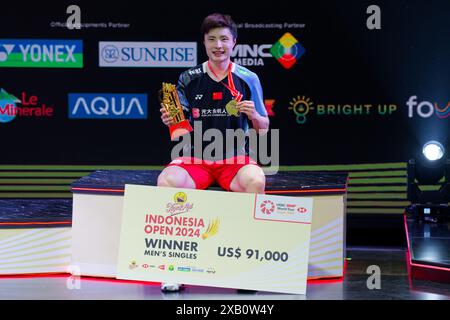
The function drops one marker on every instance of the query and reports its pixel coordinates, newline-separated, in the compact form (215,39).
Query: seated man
(221,95)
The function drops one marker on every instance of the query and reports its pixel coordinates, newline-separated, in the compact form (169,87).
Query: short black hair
(219,20)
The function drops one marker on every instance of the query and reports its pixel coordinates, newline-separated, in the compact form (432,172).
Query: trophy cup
(168,97)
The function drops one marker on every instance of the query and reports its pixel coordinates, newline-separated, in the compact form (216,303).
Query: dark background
(344,63)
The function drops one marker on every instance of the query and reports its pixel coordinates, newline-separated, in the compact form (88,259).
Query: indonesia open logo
(267,207)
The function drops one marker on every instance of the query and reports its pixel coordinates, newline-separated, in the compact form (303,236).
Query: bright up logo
(287,50)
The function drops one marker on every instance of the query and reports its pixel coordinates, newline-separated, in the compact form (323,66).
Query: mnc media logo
(107,106)
(31,53)
(148,54)
(287,50)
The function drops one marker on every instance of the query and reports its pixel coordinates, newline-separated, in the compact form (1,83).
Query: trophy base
(179,129)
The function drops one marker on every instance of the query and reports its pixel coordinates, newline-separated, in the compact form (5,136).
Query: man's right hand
(165,117)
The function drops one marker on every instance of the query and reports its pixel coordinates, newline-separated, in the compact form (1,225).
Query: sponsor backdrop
(339,92)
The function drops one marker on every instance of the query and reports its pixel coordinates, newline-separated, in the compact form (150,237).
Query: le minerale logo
(31,107)
(8,106)
(34,53)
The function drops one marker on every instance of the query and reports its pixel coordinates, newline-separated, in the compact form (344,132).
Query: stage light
(433,150)
(430,168)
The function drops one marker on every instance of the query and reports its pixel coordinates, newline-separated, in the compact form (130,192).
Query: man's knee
(255,184)
(175,177)
(170,178)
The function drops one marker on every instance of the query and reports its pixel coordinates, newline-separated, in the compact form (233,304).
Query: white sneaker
(171,287)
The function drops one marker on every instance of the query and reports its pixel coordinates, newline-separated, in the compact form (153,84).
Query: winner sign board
(215,238)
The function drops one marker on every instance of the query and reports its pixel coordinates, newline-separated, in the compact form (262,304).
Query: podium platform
(98,201)
(35,236)
(428,249)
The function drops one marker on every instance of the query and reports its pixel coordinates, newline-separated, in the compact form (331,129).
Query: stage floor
(394,281)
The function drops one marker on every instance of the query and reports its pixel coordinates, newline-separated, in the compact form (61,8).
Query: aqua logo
(107,106)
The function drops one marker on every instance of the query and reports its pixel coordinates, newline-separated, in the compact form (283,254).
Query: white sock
(167,286)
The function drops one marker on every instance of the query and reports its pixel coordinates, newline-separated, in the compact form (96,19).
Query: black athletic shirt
(204,100)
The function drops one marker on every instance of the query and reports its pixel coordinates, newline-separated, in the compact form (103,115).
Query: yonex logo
(287,50)
(41,53)
(195,71)
(198,97)
(5,50)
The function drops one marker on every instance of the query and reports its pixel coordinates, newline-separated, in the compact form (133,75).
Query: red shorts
(205,173)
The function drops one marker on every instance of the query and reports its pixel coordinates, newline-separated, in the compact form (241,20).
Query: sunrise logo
(287,50)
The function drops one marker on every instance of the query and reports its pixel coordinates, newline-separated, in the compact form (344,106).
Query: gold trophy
(168,96)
